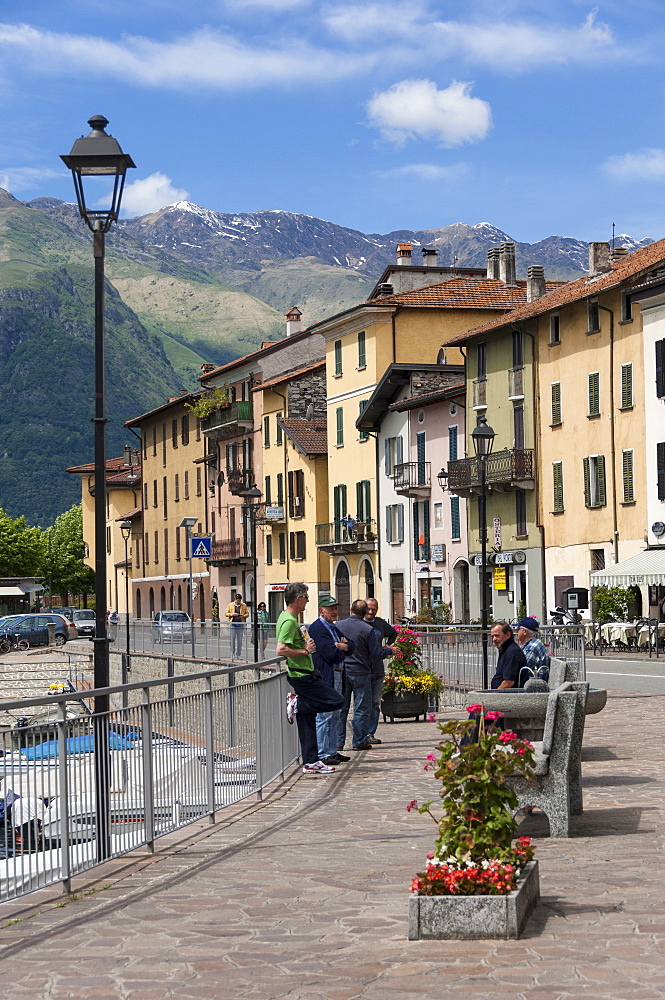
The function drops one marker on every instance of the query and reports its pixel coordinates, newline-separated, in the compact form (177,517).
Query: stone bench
(557,787)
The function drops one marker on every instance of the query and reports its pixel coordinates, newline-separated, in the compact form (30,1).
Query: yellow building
(174,487)
(588,427)
(295,481)
(123,502)
(413,327)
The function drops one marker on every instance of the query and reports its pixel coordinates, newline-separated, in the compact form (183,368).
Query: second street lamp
(188,523)
(482,436)
(251,509)
(126,532)
(96,156)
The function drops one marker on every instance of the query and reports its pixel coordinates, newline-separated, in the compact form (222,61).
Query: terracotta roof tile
(309,436)
(422,399)
(112,465)
(622,270)
(464,293)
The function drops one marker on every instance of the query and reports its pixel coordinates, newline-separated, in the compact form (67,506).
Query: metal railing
(212,640)
(337,533)
(455,654)
(515,383)
(508,466)
(238,412)
(181,749)
(479,392)
(412,475)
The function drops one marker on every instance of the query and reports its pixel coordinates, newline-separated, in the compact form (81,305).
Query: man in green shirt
(312,695)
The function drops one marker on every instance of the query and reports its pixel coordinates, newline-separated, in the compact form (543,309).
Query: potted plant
(480,880)
(407,688)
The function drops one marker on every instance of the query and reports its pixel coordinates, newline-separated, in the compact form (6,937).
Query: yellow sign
(501,578)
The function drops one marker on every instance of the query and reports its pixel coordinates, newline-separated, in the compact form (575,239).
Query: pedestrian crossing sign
(201,547)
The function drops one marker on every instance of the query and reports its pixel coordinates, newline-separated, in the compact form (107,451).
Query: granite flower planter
(404,706)
(475,917)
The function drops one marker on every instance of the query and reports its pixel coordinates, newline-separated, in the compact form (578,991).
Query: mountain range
(184,285)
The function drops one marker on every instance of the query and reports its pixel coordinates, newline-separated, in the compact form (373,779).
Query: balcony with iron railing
(413,479)
(504,469)
(230,420)
(231,551)
(239,481)
(515,383)
(480,394)
(336,537)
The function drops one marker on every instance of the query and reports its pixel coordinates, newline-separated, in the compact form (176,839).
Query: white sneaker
(291,706)
(318,767)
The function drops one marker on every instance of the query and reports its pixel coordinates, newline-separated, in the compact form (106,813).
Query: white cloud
(151,194)
(205,58)
(505,45)
(17,179)
(415,109)
(642,165)
(427,172)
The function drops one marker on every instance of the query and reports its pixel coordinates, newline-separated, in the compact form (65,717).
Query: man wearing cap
(535,652)
(328,658)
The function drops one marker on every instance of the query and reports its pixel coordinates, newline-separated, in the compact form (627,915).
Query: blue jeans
(237,630)
(327,724)
(361,688)
(377,691)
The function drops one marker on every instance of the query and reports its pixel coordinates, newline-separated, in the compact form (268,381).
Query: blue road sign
(201,547)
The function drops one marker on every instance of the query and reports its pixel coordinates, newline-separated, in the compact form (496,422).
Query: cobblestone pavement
(306,897)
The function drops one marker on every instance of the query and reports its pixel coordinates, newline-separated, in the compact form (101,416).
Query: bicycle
(6,643)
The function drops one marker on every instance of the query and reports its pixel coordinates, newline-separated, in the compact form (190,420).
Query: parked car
(171,626)
(34,628)
(84,621)
(67,613)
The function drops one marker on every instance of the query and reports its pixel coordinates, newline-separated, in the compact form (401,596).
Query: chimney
(429,256)
(207,367)
(535,282)
(385,288)
(617,253)
(507,263)
(493,255)
(599,259)
(404,251)
(293,324)
(127,451)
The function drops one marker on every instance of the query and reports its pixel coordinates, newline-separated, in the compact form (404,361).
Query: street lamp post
(99,155)
(482,436)
(126,531)
(254,494)
(188,523)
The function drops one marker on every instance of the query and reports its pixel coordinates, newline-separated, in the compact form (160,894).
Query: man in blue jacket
(358,667)
(331,648)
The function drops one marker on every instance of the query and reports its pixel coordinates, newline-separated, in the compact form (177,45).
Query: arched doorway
(138,603)
(367,572)
(152,603)
(343,590)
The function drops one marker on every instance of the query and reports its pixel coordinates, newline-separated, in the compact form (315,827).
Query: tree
(65,571)
(21,547)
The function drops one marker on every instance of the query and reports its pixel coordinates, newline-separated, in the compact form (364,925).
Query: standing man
(328,657)
(237,614)
(384,632)
(511,658)
(358,668)
(311,694)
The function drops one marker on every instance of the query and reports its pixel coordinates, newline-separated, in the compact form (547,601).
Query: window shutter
(361,350)
(362,406)
(267,490)
(455,527)
(628,483)
(367,512)
(386,445)
(556,404)
(601,481)
(426,528)
(626,386)
(660,466)
(587,482)
(389,525)
(452,443)
(594,393)
(360,514)
(400,522)
(339,416)
(338,357)
(557,477)
(660,368)
(416,529)
(399,450)
(292,544)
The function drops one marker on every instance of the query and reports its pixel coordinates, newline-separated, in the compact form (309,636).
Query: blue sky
(541,119)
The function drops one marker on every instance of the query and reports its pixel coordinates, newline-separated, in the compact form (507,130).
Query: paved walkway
(306,897)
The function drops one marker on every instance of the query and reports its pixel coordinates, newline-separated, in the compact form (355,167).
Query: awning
(646,567)
(12,592)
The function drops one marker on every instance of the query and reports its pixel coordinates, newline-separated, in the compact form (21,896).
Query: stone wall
(310,388)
